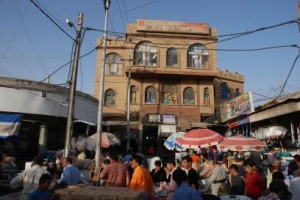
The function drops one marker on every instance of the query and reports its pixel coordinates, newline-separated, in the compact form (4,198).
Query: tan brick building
(175,81)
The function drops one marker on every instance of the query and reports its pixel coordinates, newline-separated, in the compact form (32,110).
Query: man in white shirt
(170,187)
(295,182)
(217,178)
(29,178)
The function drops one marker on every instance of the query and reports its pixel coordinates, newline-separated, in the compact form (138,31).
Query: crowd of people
(194,177)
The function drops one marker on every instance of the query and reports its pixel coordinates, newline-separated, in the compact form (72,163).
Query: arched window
(110,97)
(113,64)
(206,96)
(145,54)
(188,96)
(172,57)
(133,94)
(150,95)
(225,91)
(169,94)
(197,56)
(237,92)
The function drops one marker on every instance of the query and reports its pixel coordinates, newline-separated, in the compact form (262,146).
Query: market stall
(87,192)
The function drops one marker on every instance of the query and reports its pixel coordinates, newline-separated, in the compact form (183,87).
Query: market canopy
(241,143)
(199,138)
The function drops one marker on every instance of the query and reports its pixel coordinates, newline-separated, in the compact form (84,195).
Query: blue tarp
(10,124)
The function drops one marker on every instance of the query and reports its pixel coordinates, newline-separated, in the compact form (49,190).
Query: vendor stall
(86,192)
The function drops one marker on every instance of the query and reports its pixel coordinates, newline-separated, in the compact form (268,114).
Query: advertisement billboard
(241,105)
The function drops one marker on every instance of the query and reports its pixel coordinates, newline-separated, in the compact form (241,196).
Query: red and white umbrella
(199,138)
(241,143)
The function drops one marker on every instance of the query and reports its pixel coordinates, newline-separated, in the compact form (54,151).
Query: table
(159,193)
(234,197)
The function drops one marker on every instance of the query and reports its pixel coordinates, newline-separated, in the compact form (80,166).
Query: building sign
(10,124)
(169,119)
(172,26)
(241,105)
(168,128)
(239,121)
(154,119)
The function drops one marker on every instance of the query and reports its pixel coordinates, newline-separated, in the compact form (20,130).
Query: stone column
(140,139)
(43,139)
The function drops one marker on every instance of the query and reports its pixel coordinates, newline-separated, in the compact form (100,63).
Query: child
(42,191)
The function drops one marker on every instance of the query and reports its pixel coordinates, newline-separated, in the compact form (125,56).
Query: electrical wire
(142,6)
(52,20)
(84,55)
(126,15)
(287,78)
(28,36)
(26,68)
(121,14)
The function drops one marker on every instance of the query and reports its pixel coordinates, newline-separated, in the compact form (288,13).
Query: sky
(33,47)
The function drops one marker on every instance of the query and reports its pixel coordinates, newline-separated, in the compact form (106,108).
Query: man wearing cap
(217,178)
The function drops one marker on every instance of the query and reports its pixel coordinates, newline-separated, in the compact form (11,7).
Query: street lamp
(72,86)
(101,89)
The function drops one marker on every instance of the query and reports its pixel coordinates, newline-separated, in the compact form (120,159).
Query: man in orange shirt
(141,178)
(195,160)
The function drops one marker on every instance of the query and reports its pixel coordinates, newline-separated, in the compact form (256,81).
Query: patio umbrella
(199,138)
(171,143)
(107,140)
(241,143)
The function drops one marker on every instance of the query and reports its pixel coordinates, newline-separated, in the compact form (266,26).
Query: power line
(121,14)
(260,29)
(28,71)
(142,6)
(84,55)
(287,78)
(126,15)
(29,38)
(52,20)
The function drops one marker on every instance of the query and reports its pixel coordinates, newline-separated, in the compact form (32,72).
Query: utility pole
(101,89)
(298,12)
(72,85)
(128,97)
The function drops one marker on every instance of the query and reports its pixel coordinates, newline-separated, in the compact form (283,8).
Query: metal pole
(72,86)
(128,98)
(101,92)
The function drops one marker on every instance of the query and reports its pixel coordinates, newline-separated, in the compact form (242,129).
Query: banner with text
(241,105)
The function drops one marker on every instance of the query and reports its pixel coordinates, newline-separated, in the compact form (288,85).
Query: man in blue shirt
(184,191)
(70,175)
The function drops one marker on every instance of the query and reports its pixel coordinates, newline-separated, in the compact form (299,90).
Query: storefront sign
(172,26)
(169,119)
(154,119)
(241,105)
(168,128)
(239,121)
